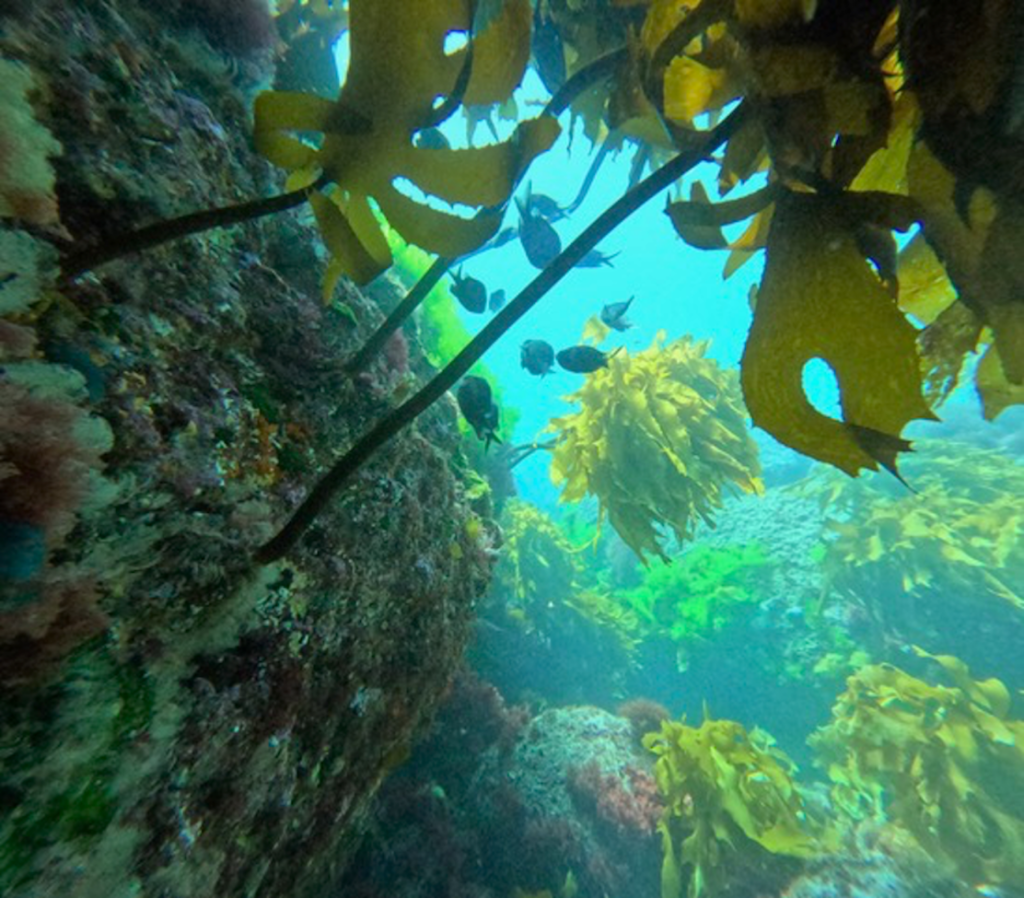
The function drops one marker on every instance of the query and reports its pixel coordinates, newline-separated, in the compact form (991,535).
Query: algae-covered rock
(26,178)
(201,726)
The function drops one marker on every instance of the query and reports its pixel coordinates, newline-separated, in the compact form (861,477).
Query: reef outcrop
(175,719)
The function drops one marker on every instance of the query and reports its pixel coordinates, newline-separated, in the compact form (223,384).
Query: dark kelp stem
(586,77)
(79,261)
(593,72)
(521,453)
(398,315)
(406,413)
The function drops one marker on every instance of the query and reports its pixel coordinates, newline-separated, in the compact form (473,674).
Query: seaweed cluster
(659,438)
(702,591)
(537,567)
(837,103)
(724,789)
(368,133)
(953,550)
(944,762)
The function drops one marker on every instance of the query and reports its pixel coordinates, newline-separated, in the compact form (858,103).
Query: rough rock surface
(494,801)
(176,721)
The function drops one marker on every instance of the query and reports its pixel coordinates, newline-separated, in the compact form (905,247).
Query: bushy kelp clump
(728,790)
(949,554)
(548,630)
(537,566)
(945,763)
(658,438)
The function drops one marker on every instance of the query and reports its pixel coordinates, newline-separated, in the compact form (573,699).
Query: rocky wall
(176,720)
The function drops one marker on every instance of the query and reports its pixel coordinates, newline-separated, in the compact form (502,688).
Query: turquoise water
(762,679)
(791,616)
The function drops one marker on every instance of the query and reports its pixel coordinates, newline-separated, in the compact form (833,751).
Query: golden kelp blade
(697,233)
(398,64)
(398,68)
(481,176)
(821,299)
(344,245)
(1000,291)
(278,112)
(996,392)
(980,246)
(925,289)
(434,231)
(699,221)
(500,55)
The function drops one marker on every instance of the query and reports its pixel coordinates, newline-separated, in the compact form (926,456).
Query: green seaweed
(701,591)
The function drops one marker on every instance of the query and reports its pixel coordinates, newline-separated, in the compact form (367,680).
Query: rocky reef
(175,719)
(499,801)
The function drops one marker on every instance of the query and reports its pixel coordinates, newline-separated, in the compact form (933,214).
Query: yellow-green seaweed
(658,438)
(726,788)
(946,763)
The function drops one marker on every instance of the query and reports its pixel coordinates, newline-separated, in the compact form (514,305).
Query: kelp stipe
(528,297)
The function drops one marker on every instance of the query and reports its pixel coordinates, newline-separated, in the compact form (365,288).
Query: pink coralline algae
(627,799)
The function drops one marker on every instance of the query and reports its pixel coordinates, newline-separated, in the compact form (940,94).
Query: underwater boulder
(196,724)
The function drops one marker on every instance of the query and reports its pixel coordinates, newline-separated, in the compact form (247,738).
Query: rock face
(175,720)
(494,801)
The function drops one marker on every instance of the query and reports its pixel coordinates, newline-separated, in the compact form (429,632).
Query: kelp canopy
(399,66)
(864,118)
(858,136)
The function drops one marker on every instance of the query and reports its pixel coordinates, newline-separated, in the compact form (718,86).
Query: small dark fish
(544,206)
(614,315)
(497,300)
(540,241)
(537,356)
(478,408)
(470,292)
(595,259)
(582,359)
(431,139)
